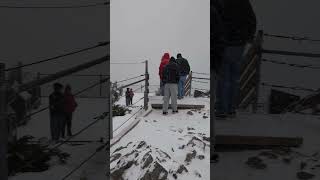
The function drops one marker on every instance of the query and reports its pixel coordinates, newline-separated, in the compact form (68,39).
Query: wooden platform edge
(180,106)
(263,141)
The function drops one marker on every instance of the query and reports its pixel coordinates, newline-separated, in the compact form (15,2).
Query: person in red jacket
(70,107)
(164,61)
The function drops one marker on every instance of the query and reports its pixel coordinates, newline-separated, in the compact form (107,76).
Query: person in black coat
(238,25)
(184,69)
(170,79)
(57,113)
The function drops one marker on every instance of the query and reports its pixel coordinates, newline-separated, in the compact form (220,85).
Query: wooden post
(258,74)
(3,125)
(109,104)
(190,83)
(146,90)
(100,85)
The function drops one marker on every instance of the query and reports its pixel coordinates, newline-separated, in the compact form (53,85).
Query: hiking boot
(221,116)
(165,113)
(175,111)
(232,114)
(214,158)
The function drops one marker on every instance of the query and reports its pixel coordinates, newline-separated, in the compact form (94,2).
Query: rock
(198,93)
(141,144)
(118,173)
(205,117)
(206,139)
(182,169)
(172,150)
(115,157)
(256,163)
(158,173)
(197,174)
(155,121)
(190,113)
(190,129)
(304,175)
(175,176)
(147,160)
(269,155)
(303,165)
(190,156)
(201,157)
(182,147)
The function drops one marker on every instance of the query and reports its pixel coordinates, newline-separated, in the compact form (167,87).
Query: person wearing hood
(70,107)
(164,61)
(184,70)
(170,79)
(239,27)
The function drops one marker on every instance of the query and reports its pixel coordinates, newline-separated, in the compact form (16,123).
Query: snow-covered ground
(84,115)
(163,143)
(284,166)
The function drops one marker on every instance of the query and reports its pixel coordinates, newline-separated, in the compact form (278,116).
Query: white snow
(38,127)
(170,132)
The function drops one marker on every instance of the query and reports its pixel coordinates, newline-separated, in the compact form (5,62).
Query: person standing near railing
(184,70)
(170,80)
(239,27)
(131,96)
(164,61)
(70,107)
(127,97)
(57,113)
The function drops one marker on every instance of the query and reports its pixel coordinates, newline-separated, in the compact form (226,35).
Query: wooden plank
(180,106)
(260,141)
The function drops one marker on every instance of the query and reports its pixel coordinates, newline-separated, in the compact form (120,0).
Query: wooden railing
(187,86)
(250,75)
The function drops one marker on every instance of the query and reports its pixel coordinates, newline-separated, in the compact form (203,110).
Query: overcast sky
(145,29)
(140,32)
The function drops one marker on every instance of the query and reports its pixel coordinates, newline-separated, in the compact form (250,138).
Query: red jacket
(70,103)
(164,61)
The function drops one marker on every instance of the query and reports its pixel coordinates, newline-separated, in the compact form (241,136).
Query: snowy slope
(289,125)
(167,140)
(95,168)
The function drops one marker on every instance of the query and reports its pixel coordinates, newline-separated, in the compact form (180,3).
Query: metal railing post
(146,90)
(109,104)
(3,125)
(190,83)
(258,67)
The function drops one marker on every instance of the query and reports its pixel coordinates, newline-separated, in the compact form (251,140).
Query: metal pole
(258,74)
(100,85)
(3,125)
(146,90)
(109,105)
(190,83)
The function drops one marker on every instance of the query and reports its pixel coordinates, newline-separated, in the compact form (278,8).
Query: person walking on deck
(184,69)
(170,79)
(56,109)
(239,26)
(164,61)
(69,108)
(131,96)
(127,97)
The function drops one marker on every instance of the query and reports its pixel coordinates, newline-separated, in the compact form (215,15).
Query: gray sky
(145,29)
(29,35)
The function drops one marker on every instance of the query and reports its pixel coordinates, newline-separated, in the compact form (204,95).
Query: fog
(145,29)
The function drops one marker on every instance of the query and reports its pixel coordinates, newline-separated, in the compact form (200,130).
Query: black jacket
(239,21)
(217,37)
(56,103)
(171,73)
(183,65)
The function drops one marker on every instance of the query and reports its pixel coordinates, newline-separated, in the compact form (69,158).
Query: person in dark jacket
(164,61)
(127,97)
(131,96)
(170,79)
(239,26)
(57,113)
(184,69)
(69,108)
